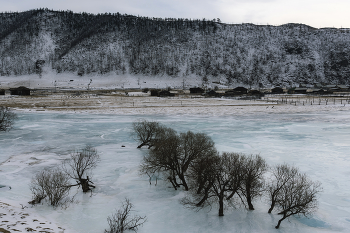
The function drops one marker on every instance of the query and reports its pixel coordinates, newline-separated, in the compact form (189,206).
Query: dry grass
(118,103)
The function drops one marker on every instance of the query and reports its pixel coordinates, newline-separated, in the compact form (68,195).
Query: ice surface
(317,143)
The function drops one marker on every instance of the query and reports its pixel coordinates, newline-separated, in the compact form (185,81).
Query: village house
(20,91)
(196,90)
(277,90)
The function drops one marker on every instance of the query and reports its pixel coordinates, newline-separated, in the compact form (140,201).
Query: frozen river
(319,144)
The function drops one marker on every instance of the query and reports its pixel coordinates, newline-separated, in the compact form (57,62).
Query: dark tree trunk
(249,198)
(200,188)
(250,205)
(221,205)
(232,193)
(206,192)
(173,183)
(85,185)
(272,206)
(183,180)
(279,221)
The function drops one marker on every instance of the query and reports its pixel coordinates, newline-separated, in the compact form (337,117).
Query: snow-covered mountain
(84,44)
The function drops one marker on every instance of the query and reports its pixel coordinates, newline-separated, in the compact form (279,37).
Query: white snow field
(318,143)
(66,80)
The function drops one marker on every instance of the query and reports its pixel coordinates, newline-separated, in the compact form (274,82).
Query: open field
(141,103)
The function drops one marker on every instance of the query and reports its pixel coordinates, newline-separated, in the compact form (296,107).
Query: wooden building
(20,91)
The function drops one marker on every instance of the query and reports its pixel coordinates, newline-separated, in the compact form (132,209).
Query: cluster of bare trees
(190,160)
(224,179)
(288,190)
(173,155)
(54,184)
(7,118)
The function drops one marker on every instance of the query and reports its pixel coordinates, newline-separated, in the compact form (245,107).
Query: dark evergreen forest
(90,44)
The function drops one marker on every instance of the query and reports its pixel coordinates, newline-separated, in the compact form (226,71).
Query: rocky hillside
(118,44)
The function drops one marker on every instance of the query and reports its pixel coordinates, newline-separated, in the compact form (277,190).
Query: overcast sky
(316,13)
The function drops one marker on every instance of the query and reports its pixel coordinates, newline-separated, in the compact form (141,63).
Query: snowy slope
(119,46)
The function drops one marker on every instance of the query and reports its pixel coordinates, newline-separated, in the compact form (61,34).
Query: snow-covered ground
(18,219)
(317,141)
(138,103)
(111,81)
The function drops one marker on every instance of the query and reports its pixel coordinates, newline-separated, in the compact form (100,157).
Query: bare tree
(52,184)
(155,162)
(201,178)
(254,179)
(146,132)
(298,197)
(228,179)
(37,186)
(223,175)
(201,175)
(7,118)
(173,154)
(281,175)
(123,221)
(79,167)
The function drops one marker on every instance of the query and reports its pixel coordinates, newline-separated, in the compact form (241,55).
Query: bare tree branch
(254,179)
(281,175)
(298,197)
(52,184)
(79,166)
(122,220)
(146,132)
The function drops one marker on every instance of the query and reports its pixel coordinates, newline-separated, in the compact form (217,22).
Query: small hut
(211,93)
(255,93)
(317,91)
(20,91)
(154,92)
(240,90)
(277,90)
(196,90)
(165,93)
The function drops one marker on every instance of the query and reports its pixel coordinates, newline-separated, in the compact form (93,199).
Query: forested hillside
(88,44)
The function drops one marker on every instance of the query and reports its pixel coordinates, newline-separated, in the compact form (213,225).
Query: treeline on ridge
(88,44)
